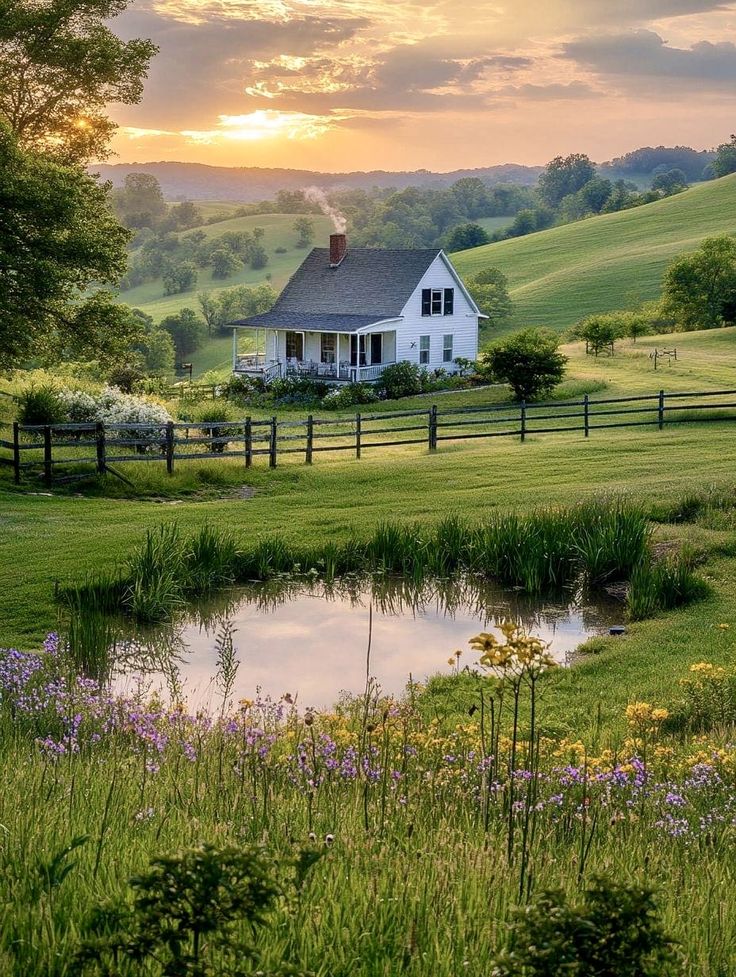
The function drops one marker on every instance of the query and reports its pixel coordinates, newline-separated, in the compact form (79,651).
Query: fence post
(660,410)
(432,428)
(310,439)
(586,415)
(248,439)
(16,452)
(170,447)
(272,444)
(47,459)
(100,438)
(357,435)
(522,419)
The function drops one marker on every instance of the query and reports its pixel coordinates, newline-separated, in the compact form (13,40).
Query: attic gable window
(438,301)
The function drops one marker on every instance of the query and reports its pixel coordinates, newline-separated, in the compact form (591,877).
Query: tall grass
(540,552)
(663,585)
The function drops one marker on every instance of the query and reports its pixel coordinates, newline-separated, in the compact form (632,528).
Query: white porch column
(235,348)
(337,354)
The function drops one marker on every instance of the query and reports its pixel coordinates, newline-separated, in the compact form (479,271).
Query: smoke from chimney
(317,196)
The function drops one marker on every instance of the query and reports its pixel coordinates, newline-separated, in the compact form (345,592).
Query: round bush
(402,380)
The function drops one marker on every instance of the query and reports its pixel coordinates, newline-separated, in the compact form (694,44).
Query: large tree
(700,288)
(725,161)
(58,239)
(60,66)
(564,176)
(490,289)
(140,201)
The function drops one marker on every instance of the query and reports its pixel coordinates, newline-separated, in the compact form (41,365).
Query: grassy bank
(558,276)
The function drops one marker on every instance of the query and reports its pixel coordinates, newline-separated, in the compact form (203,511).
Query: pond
(311,640)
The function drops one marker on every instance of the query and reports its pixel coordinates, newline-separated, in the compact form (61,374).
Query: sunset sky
(436,84)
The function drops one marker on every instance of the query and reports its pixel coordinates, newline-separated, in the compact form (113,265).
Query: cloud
(204,68)
(644,54)
(405,78)
(556,92)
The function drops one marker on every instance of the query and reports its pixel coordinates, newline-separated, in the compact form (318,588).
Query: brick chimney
(338,249)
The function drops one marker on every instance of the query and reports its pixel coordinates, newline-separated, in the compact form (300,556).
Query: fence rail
(47,449)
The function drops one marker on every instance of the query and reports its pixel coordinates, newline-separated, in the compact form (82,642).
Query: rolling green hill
(609,262)
(279,234)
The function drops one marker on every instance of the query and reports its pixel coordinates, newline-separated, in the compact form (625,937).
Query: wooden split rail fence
(48,448)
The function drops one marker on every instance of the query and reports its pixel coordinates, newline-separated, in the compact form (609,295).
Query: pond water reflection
(311,640)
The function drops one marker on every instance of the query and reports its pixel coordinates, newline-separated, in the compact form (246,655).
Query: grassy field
(493,224)
(279,233)
(62,537)
(609,262)
(405,865)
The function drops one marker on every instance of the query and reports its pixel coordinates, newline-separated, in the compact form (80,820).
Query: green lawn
(609,262)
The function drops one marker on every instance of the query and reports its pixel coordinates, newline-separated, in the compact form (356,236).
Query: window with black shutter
(449,301)
(426,301)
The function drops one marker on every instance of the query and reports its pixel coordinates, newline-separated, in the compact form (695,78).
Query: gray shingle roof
(369,284)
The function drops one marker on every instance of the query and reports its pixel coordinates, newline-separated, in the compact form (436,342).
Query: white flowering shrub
(80,406)
(111,406)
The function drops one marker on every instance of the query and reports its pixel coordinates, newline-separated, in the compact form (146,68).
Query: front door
(376,347)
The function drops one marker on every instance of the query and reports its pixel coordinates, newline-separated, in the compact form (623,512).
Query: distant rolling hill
(197,181)
(609,262)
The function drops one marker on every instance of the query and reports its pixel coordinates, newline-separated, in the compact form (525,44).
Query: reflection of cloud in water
(296,639)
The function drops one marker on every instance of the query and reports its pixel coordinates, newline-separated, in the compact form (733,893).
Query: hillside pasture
(279,233)
(613,261)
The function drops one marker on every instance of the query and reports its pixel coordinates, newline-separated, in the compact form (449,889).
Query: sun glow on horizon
(250,127)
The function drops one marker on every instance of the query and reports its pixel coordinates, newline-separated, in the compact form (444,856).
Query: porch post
(337,355)
(235,348)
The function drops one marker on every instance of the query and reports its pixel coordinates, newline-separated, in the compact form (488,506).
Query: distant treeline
(170,244)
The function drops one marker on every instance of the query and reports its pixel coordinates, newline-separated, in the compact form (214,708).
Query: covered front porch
(334,357)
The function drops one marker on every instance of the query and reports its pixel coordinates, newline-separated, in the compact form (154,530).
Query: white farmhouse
(346,314)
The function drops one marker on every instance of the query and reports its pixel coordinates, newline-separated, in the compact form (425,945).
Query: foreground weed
(193,914)
(614,931)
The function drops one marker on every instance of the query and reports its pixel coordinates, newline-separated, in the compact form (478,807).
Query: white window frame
(440,293)
(423,350)
(447,347)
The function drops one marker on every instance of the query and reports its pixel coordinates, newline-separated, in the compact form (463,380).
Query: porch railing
(250,363)
(255,363)
(371,372)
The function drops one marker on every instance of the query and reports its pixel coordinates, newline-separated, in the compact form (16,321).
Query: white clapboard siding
(462,324)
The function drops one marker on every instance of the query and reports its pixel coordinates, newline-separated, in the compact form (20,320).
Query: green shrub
(216,416)
(402,380)
(529,361)
(125,377)
(614,931)
(348,396)
(298,391)
(242,389)
(41,405)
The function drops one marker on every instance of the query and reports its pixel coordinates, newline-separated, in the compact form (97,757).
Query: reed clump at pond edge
(540,552)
